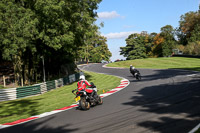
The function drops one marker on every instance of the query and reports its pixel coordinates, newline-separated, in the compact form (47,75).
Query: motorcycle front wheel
(84,104)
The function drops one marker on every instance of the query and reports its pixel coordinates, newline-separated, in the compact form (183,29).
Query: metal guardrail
(8,94)
(50,85)
(28,91)
(21,92)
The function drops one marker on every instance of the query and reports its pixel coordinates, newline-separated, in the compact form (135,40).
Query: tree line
(58,32)
(186,38)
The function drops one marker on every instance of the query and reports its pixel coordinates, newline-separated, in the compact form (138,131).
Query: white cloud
(119,35)
(109,15)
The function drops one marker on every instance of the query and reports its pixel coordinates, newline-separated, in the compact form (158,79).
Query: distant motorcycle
(136,74)
(86,99)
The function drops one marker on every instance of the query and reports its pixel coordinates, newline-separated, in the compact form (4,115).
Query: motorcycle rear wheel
(100,101)
(138,77)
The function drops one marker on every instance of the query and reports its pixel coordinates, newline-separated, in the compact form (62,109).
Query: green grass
(7,87)
(2,87)
(61,97)
(161,63)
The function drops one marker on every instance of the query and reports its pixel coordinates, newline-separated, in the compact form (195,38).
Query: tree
(149,43)
(100,51)
(195,34)
(157,46)
(18,31)
(54,29)
(135,48)
(167,32)
(188,23)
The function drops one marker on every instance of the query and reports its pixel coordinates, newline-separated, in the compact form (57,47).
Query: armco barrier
(43,87)
(51,85)
(15,93)
(77,75)
(59,82)
(72,78)
(28,91)
(7,94)
(66,80)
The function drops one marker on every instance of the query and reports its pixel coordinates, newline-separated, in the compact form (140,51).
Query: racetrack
(165,101)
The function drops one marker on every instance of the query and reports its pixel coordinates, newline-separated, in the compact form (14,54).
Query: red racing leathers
(83,85)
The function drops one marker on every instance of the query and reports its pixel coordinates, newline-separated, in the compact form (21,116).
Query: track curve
(163,101)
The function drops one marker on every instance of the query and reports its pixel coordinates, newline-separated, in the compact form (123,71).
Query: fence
(21,92)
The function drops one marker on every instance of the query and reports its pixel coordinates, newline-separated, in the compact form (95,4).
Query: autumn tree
(188,32)
(189,22)
(157,46)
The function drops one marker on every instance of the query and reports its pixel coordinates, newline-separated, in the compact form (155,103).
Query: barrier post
(4,81)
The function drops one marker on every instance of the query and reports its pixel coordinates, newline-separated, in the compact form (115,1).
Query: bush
(193,48)
(197,48)
(180,47)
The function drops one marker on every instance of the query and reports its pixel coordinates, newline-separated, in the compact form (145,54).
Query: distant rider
(133,70)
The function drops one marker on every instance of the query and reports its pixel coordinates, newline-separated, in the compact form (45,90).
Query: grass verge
(161,63)
(23,108)
(2,87)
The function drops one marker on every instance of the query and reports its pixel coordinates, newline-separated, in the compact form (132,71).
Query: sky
(124,17)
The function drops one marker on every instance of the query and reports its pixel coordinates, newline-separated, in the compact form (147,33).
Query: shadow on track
(38,127)
(175,106)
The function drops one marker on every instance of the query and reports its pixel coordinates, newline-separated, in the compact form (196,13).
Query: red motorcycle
(86,100)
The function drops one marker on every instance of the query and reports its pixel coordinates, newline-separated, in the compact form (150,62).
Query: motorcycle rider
(83,83)
(133,70)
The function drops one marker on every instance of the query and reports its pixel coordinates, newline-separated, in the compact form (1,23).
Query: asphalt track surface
(164,101)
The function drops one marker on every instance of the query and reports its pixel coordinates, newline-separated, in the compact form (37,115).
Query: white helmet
(82,77)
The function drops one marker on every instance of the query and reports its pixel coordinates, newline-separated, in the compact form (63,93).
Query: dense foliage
(185,38)
(149,45)
(53,30)
(135,48)
(189,33)
(96,48)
